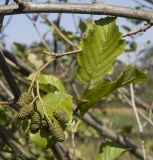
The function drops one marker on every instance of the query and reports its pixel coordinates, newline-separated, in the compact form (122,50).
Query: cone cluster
(56,128)
(28,111)
(25,105)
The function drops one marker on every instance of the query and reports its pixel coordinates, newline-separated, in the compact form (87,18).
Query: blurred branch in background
(19,150)
(104,131)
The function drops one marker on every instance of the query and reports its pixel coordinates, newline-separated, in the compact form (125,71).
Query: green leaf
(92,95)
(56,100)
(82,26)
(20,47)
(43,138)
(99,51)
(48,82)
(110,151)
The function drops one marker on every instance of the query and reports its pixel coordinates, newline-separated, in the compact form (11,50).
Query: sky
(21,30)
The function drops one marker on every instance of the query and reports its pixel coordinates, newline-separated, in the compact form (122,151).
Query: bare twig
(142,5)
(58,55)
(37,73)
(129,102)
(39,33)
(139,30)
(138,120)
(5,102)
(59,32)
(74,130)
(138,100)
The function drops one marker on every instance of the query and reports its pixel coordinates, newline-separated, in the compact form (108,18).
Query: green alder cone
(44,123)
(57,132)
(34,127)
(25,99)
(26,111)
(35,122)
(61,116)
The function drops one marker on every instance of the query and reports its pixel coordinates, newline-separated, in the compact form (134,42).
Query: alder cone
(44,123)
(26,111)
(24,99)
(35,122)
(61,116)
(34,127)
(57,132)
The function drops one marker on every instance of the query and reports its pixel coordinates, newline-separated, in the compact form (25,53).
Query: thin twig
(41,101)
(6,102)
(38,71)
(139,30)
(140,2)
(67,70)
(58,31)
(58,55)
(138,120)
(129,102)
(74,130)
(39,33)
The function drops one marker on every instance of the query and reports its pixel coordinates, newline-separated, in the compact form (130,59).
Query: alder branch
(83,8)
